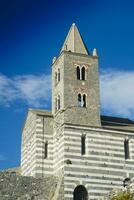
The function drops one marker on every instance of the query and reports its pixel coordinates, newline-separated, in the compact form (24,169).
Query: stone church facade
(89,154)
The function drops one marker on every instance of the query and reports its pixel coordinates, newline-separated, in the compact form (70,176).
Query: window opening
(58,75)
(58,103)
(46,150)
(79,100)
(84,101)
(83,73)
(55,78)
(83,145)
(78,73)
(65,46)
(126,149)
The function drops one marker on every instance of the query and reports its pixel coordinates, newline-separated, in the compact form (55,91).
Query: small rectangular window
(58,75)
(126,149)
(83,145)
(56,78)
(46,150)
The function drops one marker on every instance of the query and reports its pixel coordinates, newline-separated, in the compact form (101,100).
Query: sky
(32,33)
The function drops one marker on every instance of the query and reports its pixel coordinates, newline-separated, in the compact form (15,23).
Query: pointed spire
(74,42)
(95,52)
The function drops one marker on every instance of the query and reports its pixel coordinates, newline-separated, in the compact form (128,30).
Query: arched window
(83,73)
(58,102)
(80,193)
(79,100)
(126,149)
(58,75)
(84,101)
(78,73)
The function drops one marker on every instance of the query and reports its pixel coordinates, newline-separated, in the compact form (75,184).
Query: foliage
(123,195)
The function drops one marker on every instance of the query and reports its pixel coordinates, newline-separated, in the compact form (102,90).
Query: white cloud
(33,90)
(117,93)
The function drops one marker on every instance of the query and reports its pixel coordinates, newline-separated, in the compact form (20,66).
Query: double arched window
(81,73)
(82,100)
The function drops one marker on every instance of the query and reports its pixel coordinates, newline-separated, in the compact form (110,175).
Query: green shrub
(123,195)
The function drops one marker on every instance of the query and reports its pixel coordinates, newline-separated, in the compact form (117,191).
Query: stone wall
(38,131)
(14,187)
(103,167)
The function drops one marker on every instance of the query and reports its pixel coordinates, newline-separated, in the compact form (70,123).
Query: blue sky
(32,33)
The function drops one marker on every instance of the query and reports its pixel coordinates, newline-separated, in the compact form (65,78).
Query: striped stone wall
(37,131)
(58,153)
(103,167)
(44,133)
(27,146)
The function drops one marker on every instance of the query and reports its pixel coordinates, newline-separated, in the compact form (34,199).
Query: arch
(78,73)
(80,193)
(79,100)
(83,72)
(84,101)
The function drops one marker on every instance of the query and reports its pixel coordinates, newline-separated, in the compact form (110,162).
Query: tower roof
(74,42)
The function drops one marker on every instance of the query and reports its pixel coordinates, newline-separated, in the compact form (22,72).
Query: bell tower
(75,83)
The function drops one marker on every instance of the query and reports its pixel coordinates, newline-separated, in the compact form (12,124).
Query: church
(88,153)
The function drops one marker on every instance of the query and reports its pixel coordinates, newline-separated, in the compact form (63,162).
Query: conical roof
(74,42)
